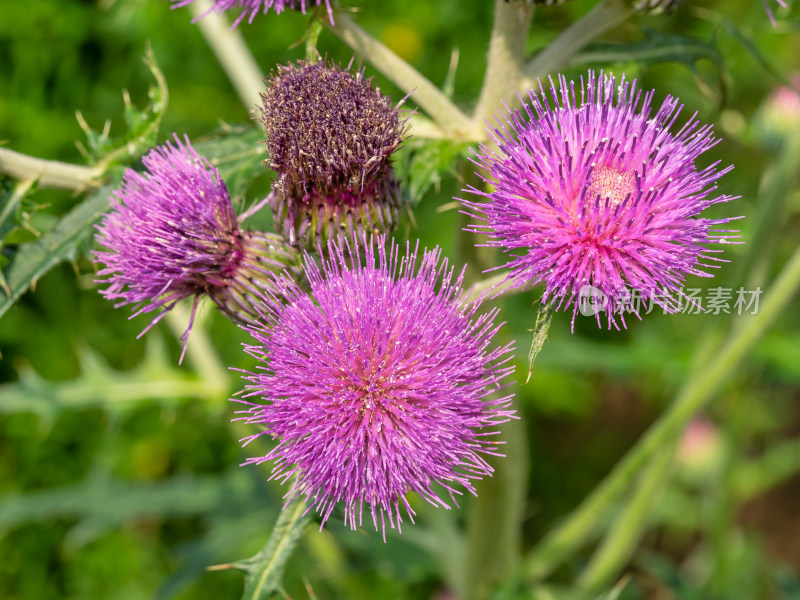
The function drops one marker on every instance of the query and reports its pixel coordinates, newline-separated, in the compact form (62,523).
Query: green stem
(430,98)
(312,38)
(775,188)
(200,352)
(232,53)
(512,23)
(574,531)
(493,533)
(48,173)
(265,569)
(605,15)
(625,533)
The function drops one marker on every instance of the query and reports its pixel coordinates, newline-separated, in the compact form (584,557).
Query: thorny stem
(430,98)
(49,173)
(580,524)
(493,533)
(232,53)
(512,22)
(265,570)
(605,15)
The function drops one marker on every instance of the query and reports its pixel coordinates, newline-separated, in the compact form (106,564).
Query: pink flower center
(610,183)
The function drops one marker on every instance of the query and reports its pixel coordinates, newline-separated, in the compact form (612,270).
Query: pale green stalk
(232,53)
(625,532)
(48,173)
(512,23)
(605,15)
(426,95)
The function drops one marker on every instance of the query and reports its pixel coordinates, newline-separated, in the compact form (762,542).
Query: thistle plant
(398,237)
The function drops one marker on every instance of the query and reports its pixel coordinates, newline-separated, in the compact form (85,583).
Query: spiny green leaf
(265,569)
(238,153)
(421,162)
(34,259)
(100,386)
(142,124)
(657,47)
(110,502)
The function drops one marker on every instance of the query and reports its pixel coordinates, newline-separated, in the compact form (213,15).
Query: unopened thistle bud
(172,234)
(330,137)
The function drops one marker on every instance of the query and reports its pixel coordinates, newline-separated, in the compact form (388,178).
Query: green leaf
(15,206)
(543,318)
(142,124)
(421,162)
(62,242)
(265,569)
(103,503)
(238,153)
(655,48)
(100,386)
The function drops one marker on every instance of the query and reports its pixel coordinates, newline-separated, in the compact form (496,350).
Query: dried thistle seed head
(330,137)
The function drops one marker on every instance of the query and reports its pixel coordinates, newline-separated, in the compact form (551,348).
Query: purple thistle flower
(330,137)
(173,234)
(589,191)
(377,383)
(250,8)
(771,16)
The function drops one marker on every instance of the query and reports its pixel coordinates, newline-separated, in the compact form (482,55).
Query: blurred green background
(119,469)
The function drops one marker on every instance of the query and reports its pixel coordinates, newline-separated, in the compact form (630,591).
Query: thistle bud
(330,137)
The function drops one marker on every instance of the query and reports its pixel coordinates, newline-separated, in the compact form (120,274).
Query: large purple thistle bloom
(593,191)
(377,383)
(172,234)
(251,8)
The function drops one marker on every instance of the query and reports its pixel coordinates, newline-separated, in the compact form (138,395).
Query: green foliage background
(118,469)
